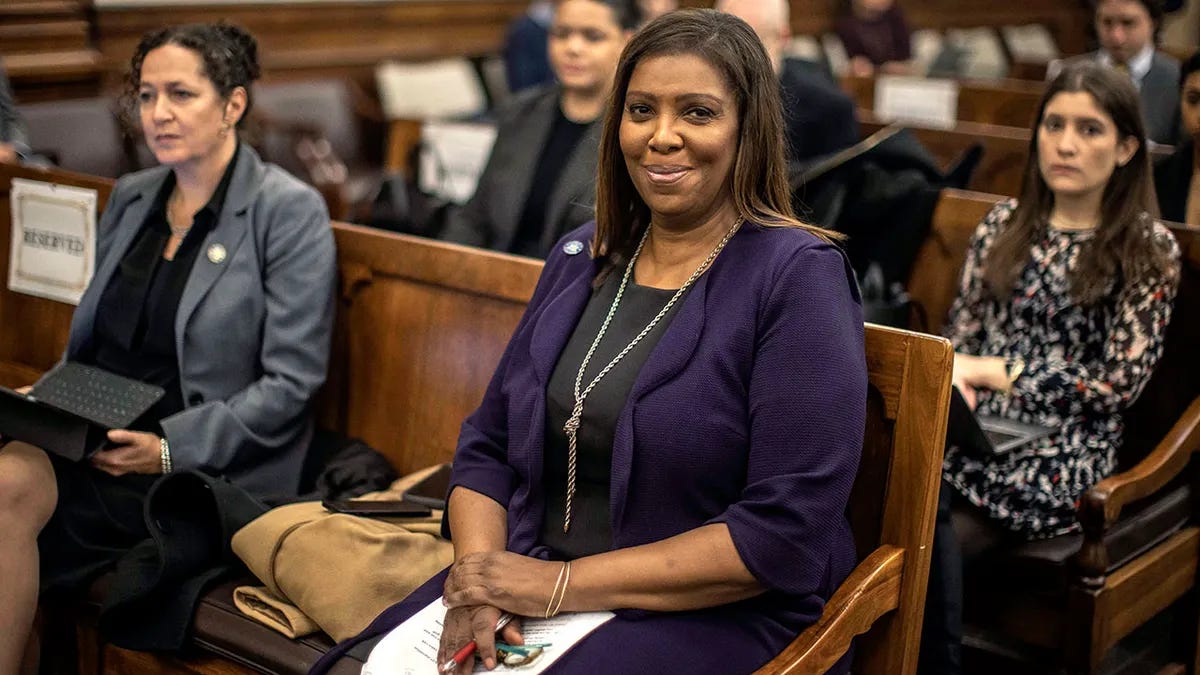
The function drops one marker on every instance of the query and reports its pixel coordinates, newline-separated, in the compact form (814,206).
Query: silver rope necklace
(572,425)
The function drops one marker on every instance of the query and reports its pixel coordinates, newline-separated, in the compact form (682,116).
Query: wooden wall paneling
(35,330)
(328,38)
(348,38)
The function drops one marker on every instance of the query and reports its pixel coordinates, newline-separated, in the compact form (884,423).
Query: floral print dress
(1084,365)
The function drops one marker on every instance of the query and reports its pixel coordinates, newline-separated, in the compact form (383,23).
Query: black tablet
(432,489)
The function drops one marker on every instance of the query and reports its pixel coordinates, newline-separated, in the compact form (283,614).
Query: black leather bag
(399,205)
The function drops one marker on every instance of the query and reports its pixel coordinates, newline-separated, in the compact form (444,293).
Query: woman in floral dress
(1062,308)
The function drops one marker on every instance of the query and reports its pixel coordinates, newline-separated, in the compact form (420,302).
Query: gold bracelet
(563,595)
(553,593)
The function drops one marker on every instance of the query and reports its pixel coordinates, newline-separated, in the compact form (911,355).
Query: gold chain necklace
(572,425)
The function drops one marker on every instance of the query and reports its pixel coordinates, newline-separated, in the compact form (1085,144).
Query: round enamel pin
(573,247)
(216,254)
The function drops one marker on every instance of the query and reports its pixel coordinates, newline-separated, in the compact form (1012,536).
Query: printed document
(412,647)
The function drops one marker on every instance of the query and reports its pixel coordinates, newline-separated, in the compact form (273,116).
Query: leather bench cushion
(223,630)
(1044,565)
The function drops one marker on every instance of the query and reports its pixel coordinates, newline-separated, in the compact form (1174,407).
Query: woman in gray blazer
(539,182)
(214,280)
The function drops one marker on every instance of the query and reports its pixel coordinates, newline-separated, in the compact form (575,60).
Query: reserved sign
(916,99)
(52,254)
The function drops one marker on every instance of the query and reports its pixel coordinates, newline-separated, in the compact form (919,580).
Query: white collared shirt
(1139,65)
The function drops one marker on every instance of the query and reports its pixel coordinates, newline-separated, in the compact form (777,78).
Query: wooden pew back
(34,333)
(1005,150)
(1011,103)
(421,326)
(933,283)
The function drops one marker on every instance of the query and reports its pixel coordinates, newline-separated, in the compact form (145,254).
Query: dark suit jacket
(819,117)
(526,63)
(1159,94)
(254,324)
(1172,180)
(492,216)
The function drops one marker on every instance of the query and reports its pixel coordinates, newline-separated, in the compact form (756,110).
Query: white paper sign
(452,158)
(1030,44)
(930,101)
(53,248)
(440,89)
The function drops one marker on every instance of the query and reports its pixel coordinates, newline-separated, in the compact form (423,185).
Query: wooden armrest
(871,590)
(1101,505)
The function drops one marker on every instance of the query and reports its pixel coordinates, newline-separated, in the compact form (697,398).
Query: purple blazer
(749,411)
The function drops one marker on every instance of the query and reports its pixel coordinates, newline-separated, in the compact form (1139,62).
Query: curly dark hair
(229,54)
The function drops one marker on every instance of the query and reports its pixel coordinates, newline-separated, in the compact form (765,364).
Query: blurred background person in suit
(1128,32)
(539,180)
(526,63)
(818,117)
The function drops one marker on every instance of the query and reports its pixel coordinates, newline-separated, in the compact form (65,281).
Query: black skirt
(98,519)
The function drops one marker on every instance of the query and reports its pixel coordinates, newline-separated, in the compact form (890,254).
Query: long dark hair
(1123,247)
(229,54)
(759,180)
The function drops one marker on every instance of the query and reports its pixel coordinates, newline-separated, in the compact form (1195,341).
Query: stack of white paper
(412,647)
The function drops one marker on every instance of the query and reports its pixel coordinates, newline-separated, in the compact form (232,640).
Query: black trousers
(962,533)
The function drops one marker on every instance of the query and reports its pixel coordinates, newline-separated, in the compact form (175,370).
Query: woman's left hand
(136,452)
(514,583)
(980,372)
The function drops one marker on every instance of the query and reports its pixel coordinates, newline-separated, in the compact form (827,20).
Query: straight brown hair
(1123,247)
(759,178)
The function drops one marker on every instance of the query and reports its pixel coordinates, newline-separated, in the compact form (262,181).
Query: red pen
(468,649)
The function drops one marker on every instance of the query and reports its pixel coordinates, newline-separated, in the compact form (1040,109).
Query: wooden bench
(421,325)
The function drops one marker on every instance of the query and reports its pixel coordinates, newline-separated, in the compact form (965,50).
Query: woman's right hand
(24,390)
(477,622)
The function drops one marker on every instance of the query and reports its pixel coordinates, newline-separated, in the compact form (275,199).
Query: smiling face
(1078,145)
(1189,107)
(1125,28)
(585,43)
(679,137)
(184,118)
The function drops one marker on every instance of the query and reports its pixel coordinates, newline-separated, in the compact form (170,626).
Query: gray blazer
(491,218)
(1159,93)
(254,325)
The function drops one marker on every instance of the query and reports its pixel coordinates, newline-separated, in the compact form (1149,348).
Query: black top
(1173,180)
(591,529)
(530,239)
(135,319)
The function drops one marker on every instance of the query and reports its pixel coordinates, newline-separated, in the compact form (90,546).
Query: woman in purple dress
(674,429)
